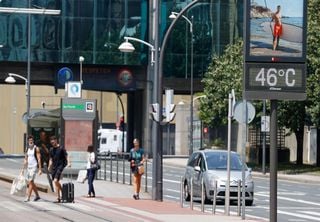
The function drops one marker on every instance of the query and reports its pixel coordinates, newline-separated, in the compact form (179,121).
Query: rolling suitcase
(68,192)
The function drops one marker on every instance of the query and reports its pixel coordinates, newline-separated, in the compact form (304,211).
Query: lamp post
(122,107)
(156,145)
(29,11)
(11,79)
(174,16)
(81,59)
(157,155)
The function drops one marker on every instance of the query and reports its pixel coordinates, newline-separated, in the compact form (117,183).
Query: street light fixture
(174,16)
(128,47)
(81,59)
(158,63)
(29,11)
(36,11)
(10,79)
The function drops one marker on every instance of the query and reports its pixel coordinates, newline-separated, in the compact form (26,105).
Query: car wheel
(249,202)
(186,192)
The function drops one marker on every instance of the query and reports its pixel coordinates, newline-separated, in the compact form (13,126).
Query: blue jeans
(91,174)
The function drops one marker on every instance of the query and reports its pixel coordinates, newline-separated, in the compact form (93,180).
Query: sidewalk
(119,197)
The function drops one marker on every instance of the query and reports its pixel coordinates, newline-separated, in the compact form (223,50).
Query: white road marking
(290,199)
(9,205)
(292,193)
(171,181)
(311,213)
(172,197)
(175,191)
(299,215)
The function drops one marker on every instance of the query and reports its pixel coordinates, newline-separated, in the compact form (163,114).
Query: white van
(110,141)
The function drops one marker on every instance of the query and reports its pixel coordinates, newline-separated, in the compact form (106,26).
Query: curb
(9,179)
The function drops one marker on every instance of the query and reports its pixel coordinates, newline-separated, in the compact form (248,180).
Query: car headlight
(212,181)
(249,179)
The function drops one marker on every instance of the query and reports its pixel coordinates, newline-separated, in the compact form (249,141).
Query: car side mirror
(197,168)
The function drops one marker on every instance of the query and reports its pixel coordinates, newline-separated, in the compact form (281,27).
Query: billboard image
(276,30)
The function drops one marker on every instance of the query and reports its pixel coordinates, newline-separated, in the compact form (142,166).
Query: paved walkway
(119,197)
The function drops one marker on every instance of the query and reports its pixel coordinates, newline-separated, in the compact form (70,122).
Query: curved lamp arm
(18,76)
(141,41)
(174,16)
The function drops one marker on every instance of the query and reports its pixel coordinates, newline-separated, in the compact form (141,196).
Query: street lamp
(174,16)
(157,61)
(128,47)
(10,79)
(156,142)
(81,59)
(29,11)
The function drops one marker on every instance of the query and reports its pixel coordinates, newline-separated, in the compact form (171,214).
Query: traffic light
(205,130)
(169,112)
(169,105)
(154,112)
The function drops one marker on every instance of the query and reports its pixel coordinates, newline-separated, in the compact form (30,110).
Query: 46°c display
(275,81)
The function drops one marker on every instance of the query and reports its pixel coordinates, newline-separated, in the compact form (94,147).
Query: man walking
(44,147)
(32,162)
(57,162)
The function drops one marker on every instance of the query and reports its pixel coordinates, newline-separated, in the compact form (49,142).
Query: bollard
(111,167)
(117,173)
(105,166)
(191,194)
(130,176)
(239,198)
(181,192)
(123,169)
(98,175)
(146,176)
(202,195)
(214,202)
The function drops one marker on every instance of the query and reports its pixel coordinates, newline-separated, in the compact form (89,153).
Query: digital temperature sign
(275,81)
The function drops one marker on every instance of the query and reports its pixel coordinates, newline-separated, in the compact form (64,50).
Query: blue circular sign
(64,75)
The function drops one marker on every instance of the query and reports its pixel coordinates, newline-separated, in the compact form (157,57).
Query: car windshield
(216,160)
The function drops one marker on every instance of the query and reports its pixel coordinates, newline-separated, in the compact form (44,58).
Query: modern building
(94,29)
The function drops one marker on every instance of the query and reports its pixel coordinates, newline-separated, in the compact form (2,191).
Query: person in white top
(32,162)
(91,172)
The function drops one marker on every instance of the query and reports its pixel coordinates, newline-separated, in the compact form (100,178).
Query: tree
(313,55)
(224,74)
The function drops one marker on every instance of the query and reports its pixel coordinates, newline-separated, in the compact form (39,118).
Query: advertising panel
(276,30)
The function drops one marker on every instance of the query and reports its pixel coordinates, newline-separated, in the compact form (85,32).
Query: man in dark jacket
(57,162)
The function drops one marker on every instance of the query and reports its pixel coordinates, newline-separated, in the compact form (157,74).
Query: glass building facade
(95,28)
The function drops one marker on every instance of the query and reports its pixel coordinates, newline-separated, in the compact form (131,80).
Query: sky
(290,8)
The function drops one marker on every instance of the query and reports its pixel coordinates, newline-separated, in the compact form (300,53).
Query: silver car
(211,165)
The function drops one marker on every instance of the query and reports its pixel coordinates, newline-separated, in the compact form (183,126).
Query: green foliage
(218,142)
(224,74)
(313,61)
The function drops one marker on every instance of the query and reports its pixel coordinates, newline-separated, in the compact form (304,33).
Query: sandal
(57,201)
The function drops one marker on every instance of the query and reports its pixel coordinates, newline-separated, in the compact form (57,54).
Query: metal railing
(114,164)
(203,195)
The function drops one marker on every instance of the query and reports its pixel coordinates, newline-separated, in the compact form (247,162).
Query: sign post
(275,64)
